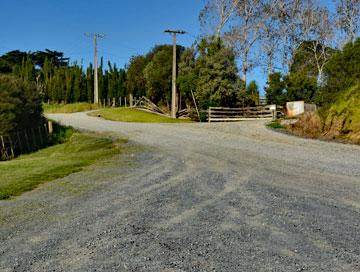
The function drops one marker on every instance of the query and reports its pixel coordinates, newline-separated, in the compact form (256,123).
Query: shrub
(20,105)
(61,134)
(342,71)
(309,125)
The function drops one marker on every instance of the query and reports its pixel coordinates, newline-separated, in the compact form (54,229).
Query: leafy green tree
(28,70)
(218,83)
(20,105)
(158,75)
(69,86)
(252,91)
(275,89)
(301,87)
(135,78)
(5,67)
(14,57)
(101,80)
(342,71)
(90,83)
(55,57)
(121,84)
(310,58)
(112,81)
(187,75)
(47,76)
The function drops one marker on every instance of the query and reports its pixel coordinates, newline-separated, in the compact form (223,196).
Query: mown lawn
(69,108)
(134,115)
(28,171)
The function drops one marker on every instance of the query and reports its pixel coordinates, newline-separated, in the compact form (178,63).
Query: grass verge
(69,108)
(134,115)
(275,125)
(28,171)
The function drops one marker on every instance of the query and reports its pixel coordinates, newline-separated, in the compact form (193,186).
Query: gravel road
(192,197)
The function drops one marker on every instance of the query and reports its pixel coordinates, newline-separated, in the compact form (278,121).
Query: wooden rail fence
(220,114)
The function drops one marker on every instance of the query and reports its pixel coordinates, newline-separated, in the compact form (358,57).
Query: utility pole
(173,93)
(95,36)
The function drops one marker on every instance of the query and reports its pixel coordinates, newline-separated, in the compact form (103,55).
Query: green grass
(69,108)
(28,171)
(275,125)
(134,115)
(347,109)
(343,116)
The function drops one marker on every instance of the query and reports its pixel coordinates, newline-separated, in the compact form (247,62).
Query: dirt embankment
(341,121)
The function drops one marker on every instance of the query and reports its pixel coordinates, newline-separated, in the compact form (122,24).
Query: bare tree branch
(348,18)
(216,14)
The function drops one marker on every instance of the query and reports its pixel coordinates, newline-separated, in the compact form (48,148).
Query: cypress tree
(90,83)
(29,70)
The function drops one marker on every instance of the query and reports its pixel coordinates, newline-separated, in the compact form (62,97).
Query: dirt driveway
(194,197)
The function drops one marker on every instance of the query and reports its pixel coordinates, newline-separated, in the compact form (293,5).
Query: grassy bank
(28,171)
(134,115)
(338,121)
(342,119)
(69,108)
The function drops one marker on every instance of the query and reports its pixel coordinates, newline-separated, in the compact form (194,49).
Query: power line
(173,93)
(95,36)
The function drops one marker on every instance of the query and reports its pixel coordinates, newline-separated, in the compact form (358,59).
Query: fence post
(209,115)
(131,100)
(50,127)
(273,111)
(125,101)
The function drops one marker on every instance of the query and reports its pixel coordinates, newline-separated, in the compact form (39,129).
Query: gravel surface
(194,197)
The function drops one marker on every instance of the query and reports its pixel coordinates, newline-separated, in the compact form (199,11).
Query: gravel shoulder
(192,197)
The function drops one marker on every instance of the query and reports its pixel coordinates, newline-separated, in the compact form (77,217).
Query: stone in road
(197,197)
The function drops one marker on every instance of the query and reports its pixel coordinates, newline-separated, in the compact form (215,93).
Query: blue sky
(131,27)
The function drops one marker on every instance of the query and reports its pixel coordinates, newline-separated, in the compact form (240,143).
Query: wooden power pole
(95,36)
(173,93)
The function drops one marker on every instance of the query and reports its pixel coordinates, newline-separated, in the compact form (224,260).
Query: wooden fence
(24,141)
(220,114)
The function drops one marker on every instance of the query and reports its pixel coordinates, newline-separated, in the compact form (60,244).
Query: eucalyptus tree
(348,18)
(245,32)
(319,33)
(295,22)
(216,14)
(270,35)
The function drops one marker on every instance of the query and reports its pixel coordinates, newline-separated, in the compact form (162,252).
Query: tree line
(293,40)
(59,81)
